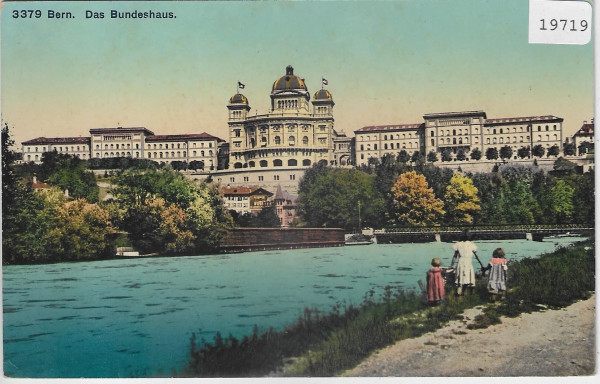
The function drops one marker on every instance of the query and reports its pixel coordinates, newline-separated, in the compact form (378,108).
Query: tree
(506,152)
(553,150)
(460,200)
(491,153)
(81,231)
(417,157)
(373,161)
(330,198)
(267,218)
(476,154)
(414,202)
(524,152)
(562,201)
(460,155)
(179,165)
(9,180)
(538,150)
(195,165)
(569,149)
(432,157)
(585,147)
(446,155)
(583,199)
(517,203)
(403,157)
(158,227)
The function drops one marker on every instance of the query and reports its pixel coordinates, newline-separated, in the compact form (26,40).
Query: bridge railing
(481,228)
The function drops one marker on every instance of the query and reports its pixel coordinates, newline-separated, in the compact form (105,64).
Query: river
(135,317)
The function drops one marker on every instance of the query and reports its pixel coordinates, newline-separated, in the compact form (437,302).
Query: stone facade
(455,132)
(294,133)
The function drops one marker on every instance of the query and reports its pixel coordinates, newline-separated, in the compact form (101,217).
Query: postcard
(281,189)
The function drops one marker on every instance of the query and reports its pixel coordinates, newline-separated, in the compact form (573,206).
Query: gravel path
(548,343)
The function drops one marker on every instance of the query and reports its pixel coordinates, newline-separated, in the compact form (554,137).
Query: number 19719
(564,25)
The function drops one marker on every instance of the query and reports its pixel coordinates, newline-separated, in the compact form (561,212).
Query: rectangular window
(232,179)
(245,178)
(261,178)
(292,177)
(276,177)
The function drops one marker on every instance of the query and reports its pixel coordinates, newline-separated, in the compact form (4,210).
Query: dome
(289,81)
(323,94)
(238,98)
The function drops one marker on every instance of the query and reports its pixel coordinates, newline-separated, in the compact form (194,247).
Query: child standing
(497,281)
(435,283)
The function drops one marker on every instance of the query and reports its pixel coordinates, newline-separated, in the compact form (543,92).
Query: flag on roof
(324,80)
(240,85)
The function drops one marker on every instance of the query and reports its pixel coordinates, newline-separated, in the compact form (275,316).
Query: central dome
(289,81)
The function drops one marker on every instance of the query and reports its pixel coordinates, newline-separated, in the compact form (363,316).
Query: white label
(560,22)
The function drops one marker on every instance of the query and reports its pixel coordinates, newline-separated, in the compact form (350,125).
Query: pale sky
(386,63)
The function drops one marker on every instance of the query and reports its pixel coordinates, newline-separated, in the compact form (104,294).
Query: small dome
(289,81)
(238,98)
(323,94)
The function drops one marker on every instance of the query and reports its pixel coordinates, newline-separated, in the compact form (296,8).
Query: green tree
(562,201)
(446,155)
(476,154)
(403,157)
(585,147)
(414,202)
(553,151)
(506,152)
(491,153)
(524,152)
(517,203)
(460,155)
(460,200)
(432,157)
(331,199)
(583,199)
(538,150)
(569,149)
(267,218)
(417,157)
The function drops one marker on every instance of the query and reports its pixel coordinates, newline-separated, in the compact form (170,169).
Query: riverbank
(557,342)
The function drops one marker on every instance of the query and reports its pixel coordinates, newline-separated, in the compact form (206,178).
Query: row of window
(276,163)
(391,146)
(386,137)
(177,154)
(60,149)
(260,178)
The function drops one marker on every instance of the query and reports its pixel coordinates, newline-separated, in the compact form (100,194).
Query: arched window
(277,163)
(292,140)
(202,153)
(432,142)
(237,165)
(263,163)
(277,140)
(251,164)
(385,137)
(305,140)
(362,147)
(292,162)
(305,162)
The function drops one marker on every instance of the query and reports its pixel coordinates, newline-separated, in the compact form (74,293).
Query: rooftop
(181,137)
(101,131)
(382,128)
(244,191)
(586,129)
(57,140)
(526,119)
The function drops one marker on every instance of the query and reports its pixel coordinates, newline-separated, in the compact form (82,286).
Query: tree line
(395,192)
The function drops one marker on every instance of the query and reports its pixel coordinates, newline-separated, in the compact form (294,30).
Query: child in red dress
(435,283)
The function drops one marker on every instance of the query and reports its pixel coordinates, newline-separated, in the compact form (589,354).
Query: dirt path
(549,343)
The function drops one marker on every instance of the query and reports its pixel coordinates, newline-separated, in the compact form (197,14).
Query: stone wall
(257,239)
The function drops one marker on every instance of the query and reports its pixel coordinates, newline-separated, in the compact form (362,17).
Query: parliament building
(275,148)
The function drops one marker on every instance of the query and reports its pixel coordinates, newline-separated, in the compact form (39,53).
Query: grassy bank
(320,344)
